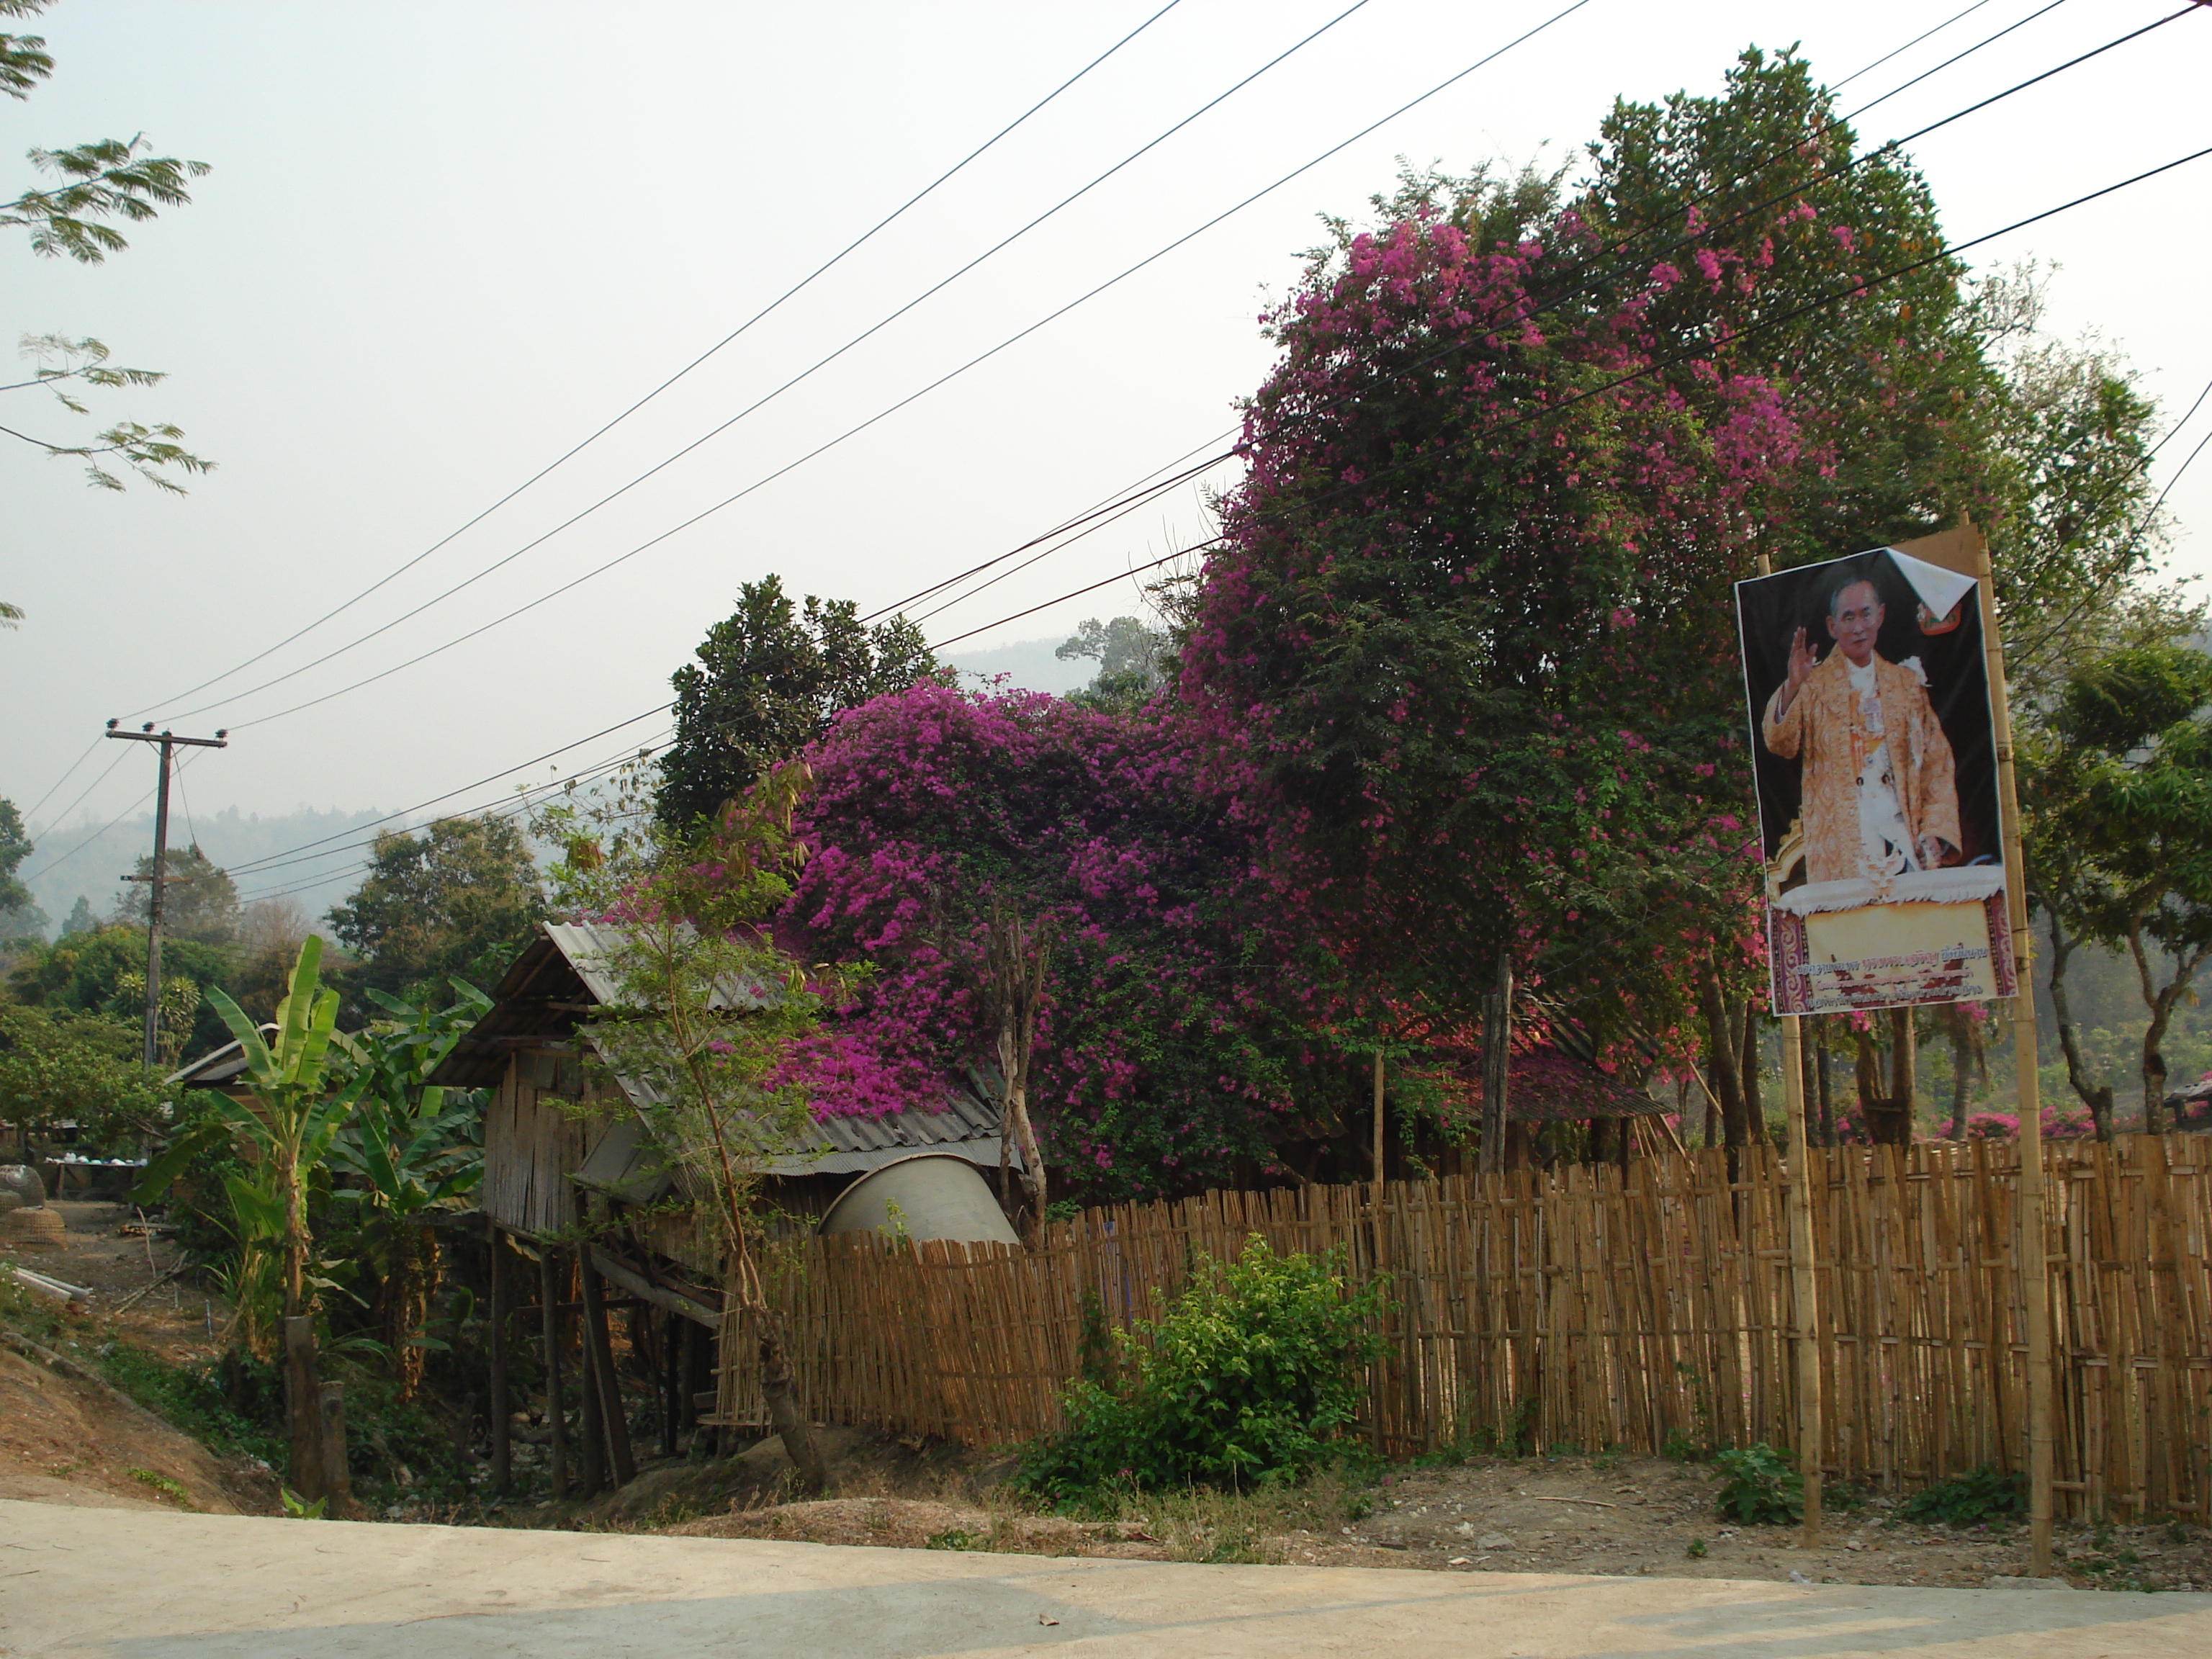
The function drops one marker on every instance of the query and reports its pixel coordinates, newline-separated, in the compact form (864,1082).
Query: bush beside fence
(1578,1308)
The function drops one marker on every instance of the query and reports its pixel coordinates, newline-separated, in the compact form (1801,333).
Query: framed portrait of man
(1876,761)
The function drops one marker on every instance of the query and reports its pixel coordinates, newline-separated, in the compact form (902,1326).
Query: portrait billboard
(1875,762)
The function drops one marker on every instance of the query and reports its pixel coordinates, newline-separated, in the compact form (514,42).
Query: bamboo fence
(1582,1308)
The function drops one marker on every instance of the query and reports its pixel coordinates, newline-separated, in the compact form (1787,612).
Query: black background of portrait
(1770,609)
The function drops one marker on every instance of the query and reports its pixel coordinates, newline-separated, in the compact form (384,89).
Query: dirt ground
(1626,1517)
(67,1437)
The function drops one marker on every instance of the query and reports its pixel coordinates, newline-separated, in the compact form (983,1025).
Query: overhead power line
(792,292)
(1594,276)
(1549,410)
(1948,252)
(884,414)
(805,373)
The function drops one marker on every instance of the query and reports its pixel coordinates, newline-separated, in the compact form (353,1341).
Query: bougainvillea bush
(1467,659)
(1169,1047)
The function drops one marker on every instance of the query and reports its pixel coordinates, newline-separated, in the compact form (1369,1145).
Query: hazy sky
(443,243)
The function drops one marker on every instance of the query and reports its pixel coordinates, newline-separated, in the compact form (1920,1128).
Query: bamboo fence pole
(1804,1279)
(1804,1276)
(2034,1262)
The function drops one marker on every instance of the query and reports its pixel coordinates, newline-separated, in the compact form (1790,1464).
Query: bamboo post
(1378,1125)
(621,1464)
(557,1443)
(2034,1260)
(1804,1276)
(496,1401)
(1967,551)
(1497,1063)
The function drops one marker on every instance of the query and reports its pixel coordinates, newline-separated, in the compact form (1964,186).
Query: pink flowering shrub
(1465,663)
(1163,1052)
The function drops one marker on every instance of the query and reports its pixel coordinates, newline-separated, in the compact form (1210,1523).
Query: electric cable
(790,293)
(1138,569)
(763,401)
(491,777)
(1839,296)
(1597,277)
(62,816)
(884,414)
(68,772)
(1907,47)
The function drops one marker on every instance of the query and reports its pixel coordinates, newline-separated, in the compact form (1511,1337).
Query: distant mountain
(1029,665)
(73,860)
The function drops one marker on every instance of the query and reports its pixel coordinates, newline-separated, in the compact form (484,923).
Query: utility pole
(160,879)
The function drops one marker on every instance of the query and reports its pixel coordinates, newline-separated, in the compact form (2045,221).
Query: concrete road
(129,1584)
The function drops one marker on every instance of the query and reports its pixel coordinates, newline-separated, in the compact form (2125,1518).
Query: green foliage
(104,972)
(2118,789)
(200,904)
(18,915)
(193,1397)
(767,680)
(57,1066)
(162,1484)
(410,1144)
(1760,1485)
(459,900)
(1696,1549)
(1246,1380)
(1131,659)
(297,1507)
(1986,1493)
(95,185)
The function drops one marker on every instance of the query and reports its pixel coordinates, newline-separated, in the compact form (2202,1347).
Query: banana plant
(412,1146)
(296,1113)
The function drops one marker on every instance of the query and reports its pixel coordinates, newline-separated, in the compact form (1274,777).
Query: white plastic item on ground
(60,1288)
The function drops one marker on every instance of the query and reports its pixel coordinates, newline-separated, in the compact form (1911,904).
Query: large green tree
(95,187)
(61,1066)
(199,902)
(104,972)
(767,680)
(2119,807)
(461,898)
(19,916)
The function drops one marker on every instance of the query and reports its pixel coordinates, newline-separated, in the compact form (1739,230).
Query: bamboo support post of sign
(1967,551)
(1804,1273)
(2034,1256)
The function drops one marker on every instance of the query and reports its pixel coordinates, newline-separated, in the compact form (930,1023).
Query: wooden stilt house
(573,1180)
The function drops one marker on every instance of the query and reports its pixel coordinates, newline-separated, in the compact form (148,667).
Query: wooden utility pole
(1804,1272)
(1967,551)
(160,879)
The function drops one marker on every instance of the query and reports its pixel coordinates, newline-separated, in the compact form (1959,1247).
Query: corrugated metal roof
(591,950)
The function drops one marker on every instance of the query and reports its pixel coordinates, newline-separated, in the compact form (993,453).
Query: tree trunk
(303,1408)
(1810,1096)
(2097,1097)
(1754,1111)
(1904,1066)
(2160,1003)
(1962,1071)
(782,1398)
(1721,1050)
(1014,1120)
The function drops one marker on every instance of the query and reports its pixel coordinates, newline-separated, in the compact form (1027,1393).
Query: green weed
(1760,1485)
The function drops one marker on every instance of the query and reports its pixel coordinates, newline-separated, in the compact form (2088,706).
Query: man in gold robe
(1880,788)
